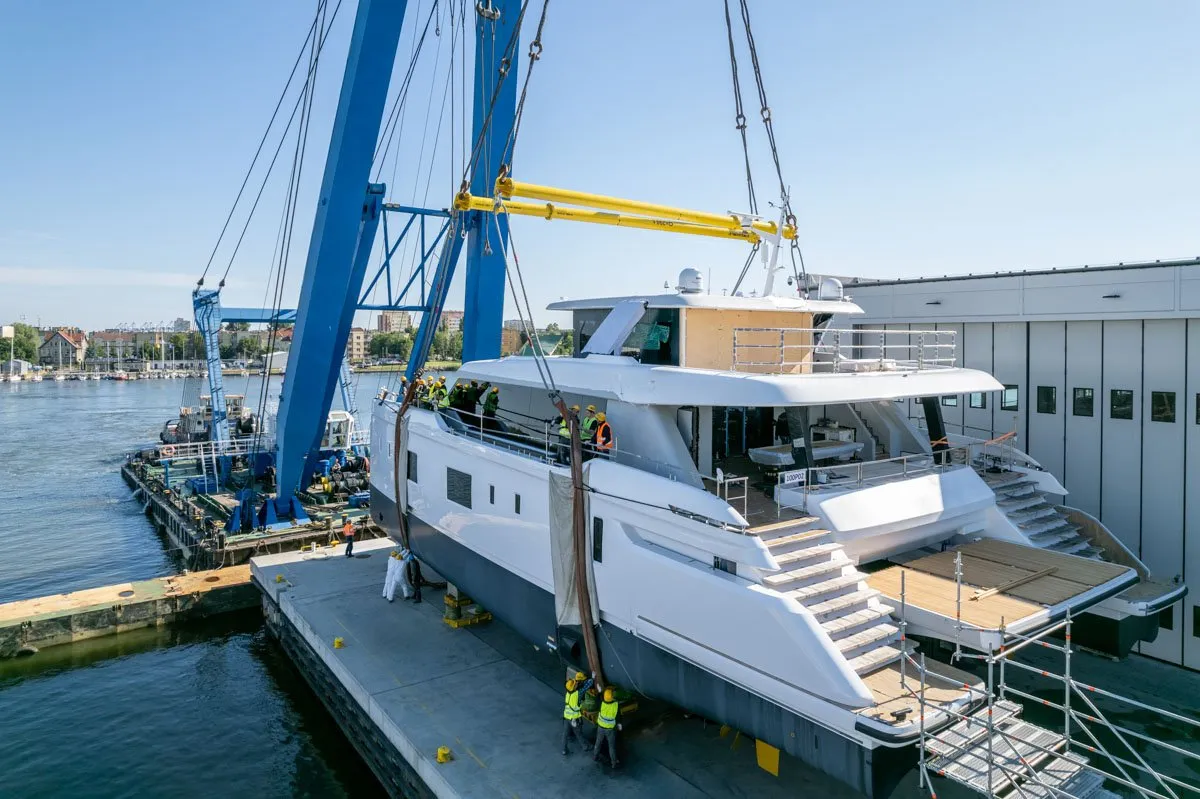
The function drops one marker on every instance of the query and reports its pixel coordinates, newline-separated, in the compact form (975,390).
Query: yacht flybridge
(766,509)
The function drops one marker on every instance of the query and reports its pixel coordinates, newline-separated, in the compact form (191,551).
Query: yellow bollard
(339,643)
(443,754)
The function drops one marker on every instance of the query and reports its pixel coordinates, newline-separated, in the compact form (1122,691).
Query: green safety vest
(587,429)
(571,708)
(491,402)
(608,715)
(564,429)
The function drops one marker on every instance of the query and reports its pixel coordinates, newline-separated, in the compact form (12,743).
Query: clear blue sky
(919,138)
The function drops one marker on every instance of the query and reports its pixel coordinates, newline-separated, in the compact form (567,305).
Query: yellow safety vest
(571,708)
(608,715)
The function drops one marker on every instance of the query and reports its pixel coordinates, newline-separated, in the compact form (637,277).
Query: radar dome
(690,281)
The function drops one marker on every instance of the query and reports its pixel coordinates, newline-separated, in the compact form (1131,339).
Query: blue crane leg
(485,289)
(206,304)
(344,228)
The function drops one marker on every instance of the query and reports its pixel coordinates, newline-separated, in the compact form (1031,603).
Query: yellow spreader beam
(616,212)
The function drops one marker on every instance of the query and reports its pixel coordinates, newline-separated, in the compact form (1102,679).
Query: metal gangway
(992,750)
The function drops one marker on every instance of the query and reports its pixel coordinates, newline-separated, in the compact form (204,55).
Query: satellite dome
(690,281)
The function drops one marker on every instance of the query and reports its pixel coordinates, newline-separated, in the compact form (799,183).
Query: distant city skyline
(916,139)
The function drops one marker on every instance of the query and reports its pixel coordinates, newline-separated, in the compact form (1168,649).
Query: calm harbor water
(212,709)
(215,709)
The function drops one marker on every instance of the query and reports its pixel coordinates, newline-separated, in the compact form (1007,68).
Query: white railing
(798,350)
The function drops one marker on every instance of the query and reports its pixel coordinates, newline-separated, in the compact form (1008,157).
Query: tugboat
(195,423)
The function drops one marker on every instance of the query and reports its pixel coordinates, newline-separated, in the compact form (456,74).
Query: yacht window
(1047,399)
(1009,400)
(729,566)
(1121,406)
(598,539)
(977,399)
(950,401)
(1162,406)
(1166,619)
(517,503)
(1198,409)
(1196,621)
(458,487)
(1083,401)
(491,495)
(412,466)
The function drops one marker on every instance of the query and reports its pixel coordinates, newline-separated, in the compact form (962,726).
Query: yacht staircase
(817,573)
(1027,760)
(1026,506)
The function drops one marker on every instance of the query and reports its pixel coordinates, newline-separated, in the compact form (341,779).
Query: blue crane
(349,212)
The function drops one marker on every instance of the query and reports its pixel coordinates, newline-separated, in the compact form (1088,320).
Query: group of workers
(403,570)
(431,392)
(606,718)
(594,431)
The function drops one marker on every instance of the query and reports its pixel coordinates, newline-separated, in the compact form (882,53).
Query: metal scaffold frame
(1027,780)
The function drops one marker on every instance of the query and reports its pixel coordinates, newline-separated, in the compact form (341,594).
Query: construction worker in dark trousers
(348,535)
(606,728)
(572,712)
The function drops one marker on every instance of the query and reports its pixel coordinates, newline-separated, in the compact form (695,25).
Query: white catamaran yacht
(750,532)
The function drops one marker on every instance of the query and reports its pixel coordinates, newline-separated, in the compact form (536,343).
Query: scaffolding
(990,749)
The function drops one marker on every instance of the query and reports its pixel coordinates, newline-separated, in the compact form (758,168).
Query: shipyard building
(1101,374)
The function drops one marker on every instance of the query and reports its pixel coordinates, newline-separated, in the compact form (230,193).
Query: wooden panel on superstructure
(709,340)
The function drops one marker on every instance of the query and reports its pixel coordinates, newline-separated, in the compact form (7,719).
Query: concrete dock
(32,624)
(405,683)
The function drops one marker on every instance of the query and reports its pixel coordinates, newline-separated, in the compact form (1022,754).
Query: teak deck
(944,684)
(989,565)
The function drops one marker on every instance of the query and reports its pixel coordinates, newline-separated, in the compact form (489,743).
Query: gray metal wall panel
(1191,500)
(1047,367)
(977,354)
(1009,367)
(1162,468)
(1082,459)
(1121,478)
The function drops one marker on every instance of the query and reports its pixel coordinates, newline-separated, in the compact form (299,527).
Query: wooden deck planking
(934,593)
(1070,567)
(983,574)
(890,696)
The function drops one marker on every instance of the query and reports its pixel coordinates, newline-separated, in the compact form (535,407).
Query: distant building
(513,324)
(451,321)
(511,340)
(394,321)
(63,347)
(17,367)
(112,343)
(276,362)
(356,345)
(181,325)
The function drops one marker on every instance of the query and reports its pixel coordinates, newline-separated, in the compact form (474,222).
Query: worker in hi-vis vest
(572,703)
(606,727)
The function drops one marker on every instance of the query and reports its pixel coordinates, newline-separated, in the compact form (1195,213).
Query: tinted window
(458,487)
(1162,406)
(1009,399)
(977,400)
(412,466)
(516,503)
(598,540)
(1122,404)
(1047,399)
(1166,619)
(1083,402)
(950,401)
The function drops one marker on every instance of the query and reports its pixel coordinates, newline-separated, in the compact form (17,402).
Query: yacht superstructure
(749,529)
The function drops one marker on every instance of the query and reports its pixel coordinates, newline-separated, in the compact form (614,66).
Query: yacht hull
(649,669)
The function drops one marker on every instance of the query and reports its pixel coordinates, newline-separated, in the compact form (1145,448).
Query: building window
(1162,406)
(1166,619)
(517,504)
(1083,402)
(458,487)
(412,466)
(1122,404)
(598,539)
(728,566)
(1009,400)
(977,399)
(1047,399)
(950,401)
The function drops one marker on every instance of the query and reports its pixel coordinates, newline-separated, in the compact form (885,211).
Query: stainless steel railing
(800,350)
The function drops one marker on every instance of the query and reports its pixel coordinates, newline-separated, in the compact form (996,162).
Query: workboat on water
(752,531)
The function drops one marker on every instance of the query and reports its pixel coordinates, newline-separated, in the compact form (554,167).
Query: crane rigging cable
(315,31)
(535,53)
(389,129)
